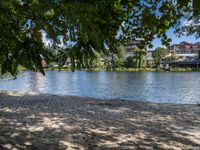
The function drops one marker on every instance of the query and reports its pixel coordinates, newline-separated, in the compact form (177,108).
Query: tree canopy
(189,24)
(86,26)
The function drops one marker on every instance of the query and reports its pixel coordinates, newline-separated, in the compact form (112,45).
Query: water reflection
(36,81)
(156,87)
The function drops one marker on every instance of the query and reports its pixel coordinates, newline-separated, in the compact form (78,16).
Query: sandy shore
(48,122)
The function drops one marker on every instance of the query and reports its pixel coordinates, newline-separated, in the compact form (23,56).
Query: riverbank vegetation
(127,69)
(135,61)
(184,70)
(9,76)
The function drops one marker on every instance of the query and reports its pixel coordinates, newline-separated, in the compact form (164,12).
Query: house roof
(136,42)
(185,43)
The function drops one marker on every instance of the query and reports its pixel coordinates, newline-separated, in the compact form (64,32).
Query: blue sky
(175,39)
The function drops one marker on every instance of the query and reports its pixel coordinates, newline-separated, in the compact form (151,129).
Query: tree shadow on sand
(60,122)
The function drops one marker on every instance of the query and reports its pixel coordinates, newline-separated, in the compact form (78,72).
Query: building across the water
(129,51)
(187,55)
(129,48)
(185,50)
(183,64)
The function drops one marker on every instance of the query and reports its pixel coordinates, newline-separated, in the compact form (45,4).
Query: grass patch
(184,70)
(57,69)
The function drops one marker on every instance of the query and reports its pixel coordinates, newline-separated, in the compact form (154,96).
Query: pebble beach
(55,122)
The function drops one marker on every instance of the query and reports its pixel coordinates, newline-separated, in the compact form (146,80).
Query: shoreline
(44,121)
(12,92)
(130,70)
(122,69)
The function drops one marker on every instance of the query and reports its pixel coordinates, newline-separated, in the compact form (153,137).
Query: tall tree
(129,62)
(140,55)
(158,54)
(94,25)
(120,58)
(121,52)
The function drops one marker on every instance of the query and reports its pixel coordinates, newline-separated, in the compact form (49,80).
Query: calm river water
(165,87)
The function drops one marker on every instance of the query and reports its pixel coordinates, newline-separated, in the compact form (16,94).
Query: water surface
(165,87)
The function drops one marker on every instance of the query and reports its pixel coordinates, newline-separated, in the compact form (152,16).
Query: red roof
(185,43)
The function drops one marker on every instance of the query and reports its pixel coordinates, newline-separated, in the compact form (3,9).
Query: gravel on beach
(54,122)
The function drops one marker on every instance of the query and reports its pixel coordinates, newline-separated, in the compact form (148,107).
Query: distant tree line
(102,61)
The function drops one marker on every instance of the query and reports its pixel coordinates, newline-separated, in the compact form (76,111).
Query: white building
(185,50)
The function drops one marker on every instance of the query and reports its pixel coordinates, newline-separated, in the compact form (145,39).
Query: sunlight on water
(156,87)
